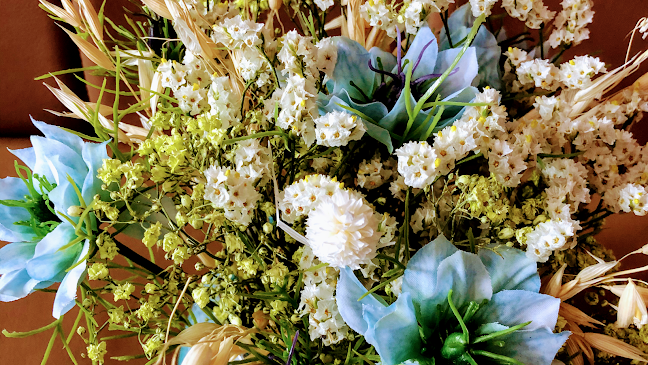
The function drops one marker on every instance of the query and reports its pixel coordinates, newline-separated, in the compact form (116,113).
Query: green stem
(464,329)
(59,330)
(493,335)
(50,345)
(256,135)
(29,333)
(501,358)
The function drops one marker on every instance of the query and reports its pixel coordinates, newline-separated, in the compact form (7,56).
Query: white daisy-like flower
(343,231)
(417,163)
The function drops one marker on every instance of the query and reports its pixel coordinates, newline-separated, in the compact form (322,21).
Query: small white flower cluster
(375,172)
(234,33)
(301,197)
(628,198)
(577,73)
(318,301)
(303,62)
(411,15)
(417,164)
(324,4)
(337,129)
(567,180)
(533,12)
(187,81)
(480,7)
(420,164)
(414,13)
(548,237)
(224,102)
(570,23)
(538,73)
(423,219)
(234,189)
(380,15)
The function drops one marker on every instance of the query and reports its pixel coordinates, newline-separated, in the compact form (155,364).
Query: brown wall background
(32,45)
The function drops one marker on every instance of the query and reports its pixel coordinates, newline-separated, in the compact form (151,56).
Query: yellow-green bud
(150,288)
(97,271)
(151,234)
(74,211)
(201,296)
(268,228)
(96,352)
(171,241)
(506,233)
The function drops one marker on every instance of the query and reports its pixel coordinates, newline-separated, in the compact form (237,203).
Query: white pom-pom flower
(342,230)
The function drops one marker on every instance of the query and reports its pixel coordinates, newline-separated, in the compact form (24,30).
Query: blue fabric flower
(485,43)
(492,292)
(39,253)
(372,83)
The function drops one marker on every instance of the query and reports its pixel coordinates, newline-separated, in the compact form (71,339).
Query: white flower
(343,231)
(480,7)
(417,163)
(577,73)
(337,129)
(236,33)
(324,4)
(373,173)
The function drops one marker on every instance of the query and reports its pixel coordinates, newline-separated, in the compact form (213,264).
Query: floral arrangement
(308,182)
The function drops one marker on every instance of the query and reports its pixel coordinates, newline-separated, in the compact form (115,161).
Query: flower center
(454,346)
(389,91)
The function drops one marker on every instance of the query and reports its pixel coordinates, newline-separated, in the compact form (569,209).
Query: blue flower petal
(13,188)
(511,269)
(58,134)
(352,66)
(452,112)
(15,285)
(421,274)
(393,331)
(429,59)
(485,43)
(66,293)
(93,156)
(462,272)
(27,156)
(52,156)
(512,307)
(50,261)
(537,347)
(348,290)
(387,59)
(14,256)
(489,328)
(466,70)
(374,110)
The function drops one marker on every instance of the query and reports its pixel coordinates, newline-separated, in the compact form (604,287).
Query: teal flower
(485,44)
(33,216)
(373,84)
(458,308)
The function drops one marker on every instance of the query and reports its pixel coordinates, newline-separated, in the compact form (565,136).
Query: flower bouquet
(308,182)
